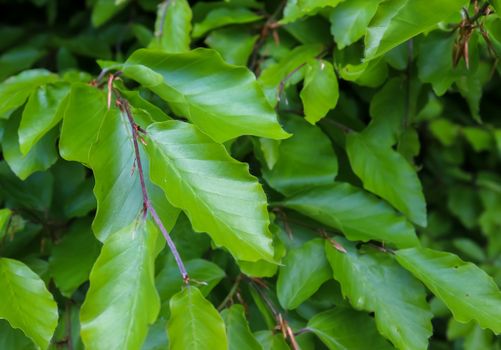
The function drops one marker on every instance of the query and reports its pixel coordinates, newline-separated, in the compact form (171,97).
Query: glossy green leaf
(233,44)
(82,119)
(195,324)
(295,9)
(117,189)
(340,329)
(358,214)
(305,160)
(173,26)
(122,300)
(45,108)
(374,282)
(350,19)
(399,20)
(320,90)
(223,100)
(15,90)
(216,192)
(375,164)
(304,270)
(26,302)
(239,334)
(72,258)
(223,16)
(40,157)
(466,289)
(280,73)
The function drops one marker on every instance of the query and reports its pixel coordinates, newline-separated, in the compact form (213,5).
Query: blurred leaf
(237,329)
(233,44)
(295,9)
(173,26)
(221,17)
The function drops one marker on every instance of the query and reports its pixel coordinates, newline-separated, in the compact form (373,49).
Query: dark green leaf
(234,45)
(237,329)
(223,16)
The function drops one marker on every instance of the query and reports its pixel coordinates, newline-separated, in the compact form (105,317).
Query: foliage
(324,173)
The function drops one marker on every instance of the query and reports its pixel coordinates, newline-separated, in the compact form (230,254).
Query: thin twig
(232,292)
(147,206)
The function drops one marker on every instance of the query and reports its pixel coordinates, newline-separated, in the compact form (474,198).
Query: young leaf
(399,20)
(296,9)
(350,19)
(223,16)
(40,157)
(320,90)
(217,193)
(304,270)
(122,300)
(233,44)
(43,111)
(466,289)
(82,120)
(305,160)
(375,165)
(239,334)
(340,328)
(195,324)
(374,282)
(358,214)
(73,257)
(26,302)
(173,26)
(223,100)
(15,90)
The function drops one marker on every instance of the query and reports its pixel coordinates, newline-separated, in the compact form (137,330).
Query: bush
(156,194)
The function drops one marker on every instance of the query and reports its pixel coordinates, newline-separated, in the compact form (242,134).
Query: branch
(124,106)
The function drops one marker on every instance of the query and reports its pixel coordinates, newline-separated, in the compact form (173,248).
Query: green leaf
(40,157)
(122,300)
(274,75)
(296,9)
(169,282)
(375,165)
(117,189)
(466,289)
(15,90)
(233,44)
(304,270)
(82,120)
(434,61)
(26,302)
(305,160)
(374,282)
(216,192)
(173,26)
(5,215)
(271,341)
(72,258)
(223,100)
(223,16)
(350,19)
(103,10)
(358,214)
(320,90)
(14,339)
(195,324)
(17,59)
(399,20)
(239,334)
(45,108)
(339,329)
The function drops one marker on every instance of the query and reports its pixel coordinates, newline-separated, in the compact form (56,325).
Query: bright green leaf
(375,165)
(466,289)
(295,9)
(26,302)
(217,193)
(223,16)
(195,324)
(223,100)
(340,329)
(5,215)
(122,300)
(358,214)
(237,329)
(173,26)
(320,90)
(103,10)
(234,45)
(374,282)
(304,270)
